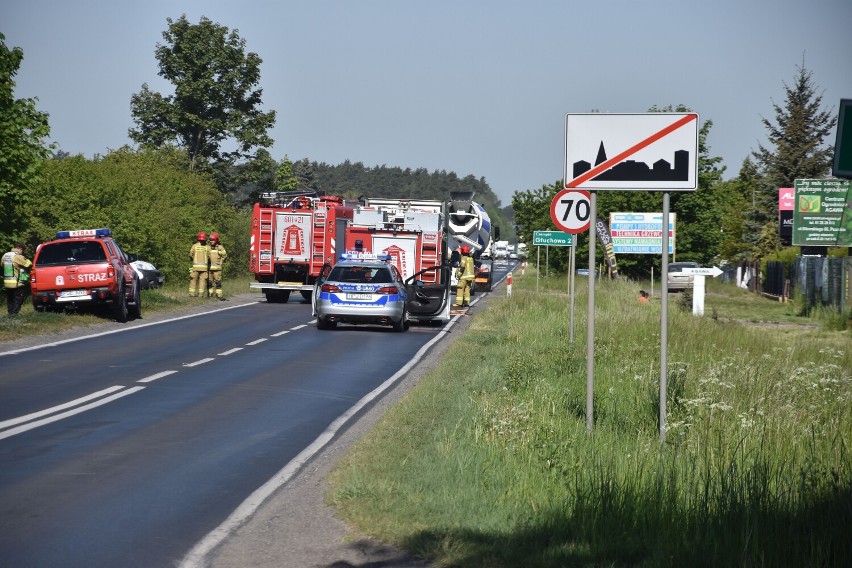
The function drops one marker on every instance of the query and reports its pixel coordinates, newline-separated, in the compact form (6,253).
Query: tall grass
(487,461)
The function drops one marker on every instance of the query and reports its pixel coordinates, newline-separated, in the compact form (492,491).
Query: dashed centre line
(33,420)
(199,362)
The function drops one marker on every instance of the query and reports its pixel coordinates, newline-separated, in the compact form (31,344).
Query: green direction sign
(552,239)
(822,214)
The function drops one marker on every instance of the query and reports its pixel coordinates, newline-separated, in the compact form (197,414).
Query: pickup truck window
(71,252)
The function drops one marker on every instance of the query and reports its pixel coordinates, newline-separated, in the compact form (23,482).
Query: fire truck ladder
(318,245)
(265,261)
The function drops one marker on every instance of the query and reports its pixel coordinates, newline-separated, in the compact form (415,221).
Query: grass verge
(487,463)
(171,297)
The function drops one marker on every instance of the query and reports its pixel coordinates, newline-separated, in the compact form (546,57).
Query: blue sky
(476,87)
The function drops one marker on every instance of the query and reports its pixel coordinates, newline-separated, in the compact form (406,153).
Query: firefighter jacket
(466,269)
(218,254)
(15,269)
(200,256)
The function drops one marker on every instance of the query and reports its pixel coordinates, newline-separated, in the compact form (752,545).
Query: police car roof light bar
(360,255)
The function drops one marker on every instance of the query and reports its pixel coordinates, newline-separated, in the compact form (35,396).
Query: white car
(678,279)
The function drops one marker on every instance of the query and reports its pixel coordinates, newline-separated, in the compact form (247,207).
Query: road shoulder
(296,528)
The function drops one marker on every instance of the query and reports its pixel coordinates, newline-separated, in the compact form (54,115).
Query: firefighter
(465,274)
(217,259)
(16,277)
(199,254)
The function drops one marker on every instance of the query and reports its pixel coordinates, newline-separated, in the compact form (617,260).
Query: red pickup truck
(85,268)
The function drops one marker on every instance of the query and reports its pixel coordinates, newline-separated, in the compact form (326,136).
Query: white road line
(298,327)
(280,333)
(230,351)
(256,341)
(157,376)
(196,557)
(199,362)
(40,413)
(128,328)
(20,429)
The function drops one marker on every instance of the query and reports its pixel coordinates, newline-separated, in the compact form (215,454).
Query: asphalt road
(201,441)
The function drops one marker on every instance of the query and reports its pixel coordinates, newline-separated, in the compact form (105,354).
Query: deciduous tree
(215,112)
(23,130)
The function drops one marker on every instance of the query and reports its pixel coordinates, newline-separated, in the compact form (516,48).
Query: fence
(825,281)
(819,281)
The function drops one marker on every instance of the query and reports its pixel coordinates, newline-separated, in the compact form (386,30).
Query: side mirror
(132,257)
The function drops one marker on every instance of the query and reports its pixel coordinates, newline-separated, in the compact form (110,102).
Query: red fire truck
(293,234)
(414,239)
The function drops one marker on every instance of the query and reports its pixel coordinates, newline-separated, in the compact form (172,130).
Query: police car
(362,288)
(85,268)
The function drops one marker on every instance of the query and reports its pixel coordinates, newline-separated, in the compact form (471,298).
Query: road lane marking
(230,351)
(298,327)
(69,404)
(127,328)
(199,362)
(256,341)
(157,376)
(197,557)
(280,333)
(20,429)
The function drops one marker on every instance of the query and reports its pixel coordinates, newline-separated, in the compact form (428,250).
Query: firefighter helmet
(214,237)
(202,237)
(464,249)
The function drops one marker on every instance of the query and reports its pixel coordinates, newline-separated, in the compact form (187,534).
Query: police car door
(429,292)
(321,278)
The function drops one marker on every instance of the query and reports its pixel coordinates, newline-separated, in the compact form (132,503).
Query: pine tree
(796,148)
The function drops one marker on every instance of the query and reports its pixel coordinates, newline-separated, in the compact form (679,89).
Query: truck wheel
(136,308)
(119,310)
(277,296)
(307,294)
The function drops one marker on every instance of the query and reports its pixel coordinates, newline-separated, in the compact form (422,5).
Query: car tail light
(387,290)
(330,288)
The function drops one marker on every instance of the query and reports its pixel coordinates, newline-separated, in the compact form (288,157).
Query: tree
(216,104)
(285,179)
(23,130)
(797,151)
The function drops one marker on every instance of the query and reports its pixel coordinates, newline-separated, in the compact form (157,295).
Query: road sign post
(698,276)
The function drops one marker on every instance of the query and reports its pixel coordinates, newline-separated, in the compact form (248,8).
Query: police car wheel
(402,324)
(323,324)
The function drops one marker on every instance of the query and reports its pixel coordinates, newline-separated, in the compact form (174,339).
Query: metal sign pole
(571,283)
(664,319)
(537,266)
(590,332)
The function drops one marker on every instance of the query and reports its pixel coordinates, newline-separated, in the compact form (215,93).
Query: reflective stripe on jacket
(200,255)
(13,264)
(217,257)
(466,270)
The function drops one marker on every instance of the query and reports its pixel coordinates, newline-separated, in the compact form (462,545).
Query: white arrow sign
(713,271)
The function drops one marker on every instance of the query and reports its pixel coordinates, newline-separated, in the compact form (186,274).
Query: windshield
(71,252)
(374,274)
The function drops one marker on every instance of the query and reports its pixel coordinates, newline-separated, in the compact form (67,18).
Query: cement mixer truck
(466,223)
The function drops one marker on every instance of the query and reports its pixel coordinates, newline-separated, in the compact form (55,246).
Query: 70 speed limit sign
(571,210)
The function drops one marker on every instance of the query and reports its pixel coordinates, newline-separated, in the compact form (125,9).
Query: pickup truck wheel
(306,294)
(136,308)
(119,310)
